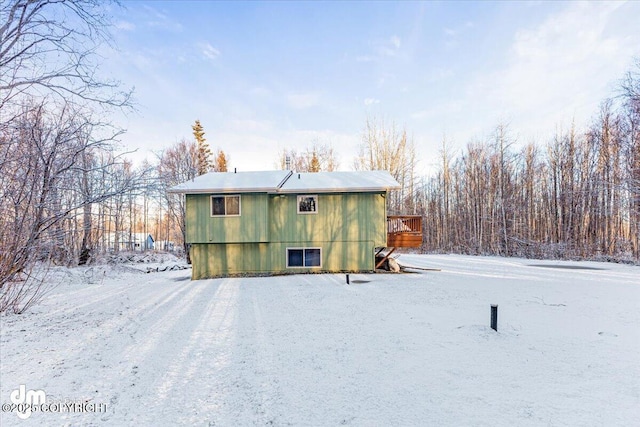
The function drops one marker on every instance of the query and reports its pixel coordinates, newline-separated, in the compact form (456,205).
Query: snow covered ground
(408,349)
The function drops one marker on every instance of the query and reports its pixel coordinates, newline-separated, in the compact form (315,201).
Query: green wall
(250,226)
(340,217)
(347,226)
(217,259)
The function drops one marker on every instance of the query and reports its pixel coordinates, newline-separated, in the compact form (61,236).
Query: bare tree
(318,157)
(385,147)
(631,148)
(45,155)
(50,141)
(49,47)
(176,165)
(505,189)
(574,199)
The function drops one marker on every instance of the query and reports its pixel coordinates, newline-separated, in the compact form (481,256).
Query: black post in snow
(494,317)
(347,279)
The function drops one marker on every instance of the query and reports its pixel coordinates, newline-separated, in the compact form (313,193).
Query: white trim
(286,254)
(337,189)
(300,196)
(225,196)
(233,190)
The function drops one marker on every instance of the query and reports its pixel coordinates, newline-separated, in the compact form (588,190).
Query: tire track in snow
(193,336)
(78,339)
(213,328)
(268,389)
(233,390)
(155,320)
(128,318)
(519,269)
(209,349)
(95,295)
(71,301)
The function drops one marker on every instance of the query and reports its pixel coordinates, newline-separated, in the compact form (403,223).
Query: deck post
(385,258)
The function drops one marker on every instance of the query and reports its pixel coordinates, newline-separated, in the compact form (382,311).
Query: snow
(388,349)
(340,182)
(288,182)
(262,181)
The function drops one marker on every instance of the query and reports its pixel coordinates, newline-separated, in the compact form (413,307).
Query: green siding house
(281,221)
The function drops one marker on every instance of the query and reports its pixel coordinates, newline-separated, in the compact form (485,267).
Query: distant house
(130,241)
(280,221)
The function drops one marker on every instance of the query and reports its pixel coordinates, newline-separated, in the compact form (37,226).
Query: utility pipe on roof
(284,180)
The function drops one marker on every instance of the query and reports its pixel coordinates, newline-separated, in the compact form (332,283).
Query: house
(130,241)
(281,221)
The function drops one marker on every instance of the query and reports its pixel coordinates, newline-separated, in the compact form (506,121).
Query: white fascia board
(222,190)
(336,190)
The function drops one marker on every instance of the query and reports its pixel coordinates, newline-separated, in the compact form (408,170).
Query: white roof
(330,182)
(288,182)
(232,182)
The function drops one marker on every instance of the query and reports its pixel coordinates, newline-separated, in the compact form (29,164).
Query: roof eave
(220,190)
(336,190)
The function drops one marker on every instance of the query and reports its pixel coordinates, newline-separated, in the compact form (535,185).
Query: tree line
(574,196)
(57,156)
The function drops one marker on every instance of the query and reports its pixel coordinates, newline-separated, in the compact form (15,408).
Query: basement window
(225,205)
(304,257)
(307,204)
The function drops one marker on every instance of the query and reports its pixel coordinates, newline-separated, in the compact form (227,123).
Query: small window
(307,204)
(304,257)
(295,257)
(225,205)
(312,257)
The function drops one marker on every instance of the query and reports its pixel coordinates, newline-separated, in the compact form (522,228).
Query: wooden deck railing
(404,231)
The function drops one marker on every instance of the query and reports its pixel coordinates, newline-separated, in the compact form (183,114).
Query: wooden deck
(404,231)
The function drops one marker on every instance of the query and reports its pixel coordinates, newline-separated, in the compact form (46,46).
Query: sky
(266,76)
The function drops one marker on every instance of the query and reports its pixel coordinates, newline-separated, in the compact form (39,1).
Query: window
(304,257)
(225,205)
(307,204)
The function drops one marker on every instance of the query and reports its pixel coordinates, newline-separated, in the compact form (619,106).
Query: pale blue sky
(262,76)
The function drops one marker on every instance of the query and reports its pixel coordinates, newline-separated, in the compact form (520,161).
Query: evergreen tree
(314,164)
(221,162)
(204,152)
